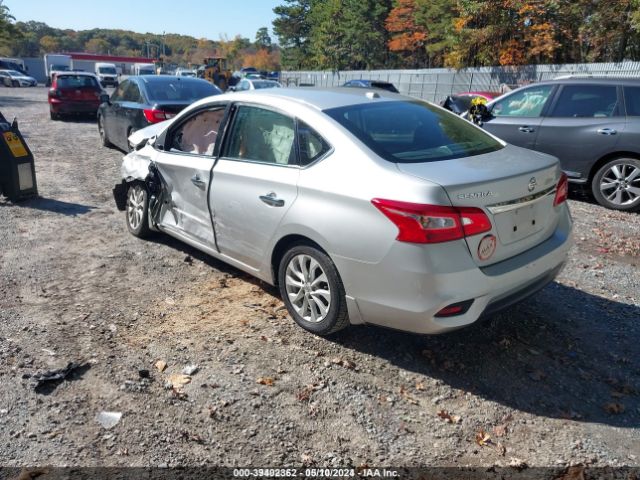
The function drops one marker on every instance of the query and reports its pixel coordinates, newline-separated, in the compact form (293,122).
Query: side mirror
(104,98)
(231,89)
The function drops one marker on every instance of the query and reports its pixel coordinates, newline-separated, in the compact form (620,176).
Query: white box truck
(56,63)
(144,69)
(107,74)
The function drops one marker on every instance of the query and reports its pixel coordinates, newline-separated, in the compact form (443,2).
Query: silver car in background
(361,206)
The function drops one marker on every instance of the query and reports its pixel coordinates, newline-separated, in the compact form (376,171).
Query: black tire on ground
(54,116)
(104,137)
(616,185)
(137,210)
(337,316)
(15,84)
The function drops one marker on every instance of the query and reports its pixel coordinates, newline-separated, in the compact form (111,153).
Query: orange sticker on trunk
(487,247)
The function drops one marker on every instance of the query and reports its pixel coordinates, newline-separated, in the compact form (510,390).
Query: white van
(144,69)
(107,74)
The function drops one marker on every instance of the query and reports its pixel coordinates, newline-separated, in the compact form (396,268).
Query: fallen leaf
(420,387)
(501,449)
(161,366)
(517,463)
(343,362)
(572,473)
(500,430)
(265,381)
(178,380)
(614,408)
(447,417)
(483,438)
(408,397)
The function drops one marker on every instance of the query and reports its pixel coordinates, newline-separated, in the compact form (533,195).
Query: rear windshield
(413,132)
(76,81)
(179,90)
(109,70)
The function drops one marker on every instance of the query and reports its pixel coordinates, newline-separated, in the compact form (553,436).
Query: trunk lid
(516,189)
(79,94)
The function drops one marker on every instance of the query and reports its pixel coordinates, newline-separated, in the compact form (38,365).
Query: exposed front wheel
(312,290)
(16,84)
(616,184)
(137,210)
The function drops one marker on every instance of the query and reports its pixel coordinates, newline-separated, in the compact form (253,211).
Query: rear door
(111,112)
(128,113)
(254,182)
(516,117)
(584,124)
(185,166)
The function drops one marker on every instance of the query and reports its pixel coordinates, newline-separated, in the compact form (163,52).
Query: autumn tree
(49,44)
(408,37)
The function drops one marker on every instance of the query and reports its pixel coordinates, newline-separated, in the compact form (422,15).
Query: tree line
(34,39)
(369,34)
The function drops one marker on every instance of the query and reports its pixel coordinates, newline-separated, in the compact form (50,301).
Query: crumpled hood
(140,136)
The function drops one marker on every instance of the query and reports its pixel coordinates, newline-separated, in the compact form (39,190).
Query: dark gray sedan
(591,124)
(144,100)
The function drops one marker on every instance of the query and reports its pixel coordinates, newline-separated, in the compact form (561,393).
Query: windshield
(13,73)
(109,70)
(413,132)
(76,81)
(167,89)
(265,84)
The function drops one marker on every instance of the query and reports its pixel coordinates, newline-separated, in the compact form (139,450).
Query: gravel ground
(553,382)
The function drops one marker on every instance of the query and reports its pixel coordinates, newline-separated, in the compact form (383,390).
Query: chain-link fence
(436,83)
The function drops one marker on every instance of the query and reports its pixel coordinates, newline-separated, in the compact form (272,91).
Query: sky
(197,18)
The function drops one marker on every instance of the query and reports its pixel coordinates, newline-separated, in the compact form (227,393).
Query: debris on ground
(161,365)
(47,382)
(190,369)
(109,420)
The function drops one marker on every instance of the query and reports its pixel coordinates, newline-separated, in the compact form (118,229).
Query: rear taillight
(562,190)
(418,223)
(53,92)
(155,115)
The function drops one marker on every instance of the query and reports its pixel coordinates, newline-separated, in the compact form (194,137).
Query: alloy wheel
(308,288)
(135,206)
(620,184)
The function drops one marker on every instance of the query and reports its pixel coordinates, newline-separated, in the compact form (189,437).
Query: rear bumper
(406,290)
(64,107)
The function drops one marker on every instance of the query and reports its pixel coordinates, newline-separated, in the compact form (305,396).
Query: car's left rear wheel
(312,290)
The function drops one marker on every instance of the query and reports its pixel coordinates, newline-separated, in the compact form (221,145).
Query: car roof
(73,72)
(321,98)
(582,80)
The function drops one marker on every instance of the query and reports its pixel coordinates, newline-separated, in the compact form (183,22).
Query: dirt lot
(553,382)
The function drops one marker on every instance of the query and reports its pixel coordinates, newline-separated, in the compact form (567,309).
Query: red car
(74,93)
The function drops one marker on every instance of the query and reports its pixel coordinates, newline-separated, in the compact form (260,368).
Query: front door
(185,166)
(584,124)
(516,118)
(254,183)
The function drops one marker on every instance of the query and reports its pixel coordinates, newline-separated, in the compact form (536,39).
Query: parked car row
(14,78)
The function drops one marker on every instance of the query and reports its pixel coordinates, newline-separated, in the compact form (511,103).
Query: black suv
(591,124)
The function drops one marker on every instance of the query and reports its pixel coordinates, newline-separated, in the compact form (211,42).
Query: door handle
(526,129)
(272,200)
(607,131)
(198,182)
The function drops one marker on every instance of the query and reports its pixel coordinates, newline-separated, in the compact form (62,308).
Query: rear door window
(524,103)
(312,145)
(132,94)
(587,101)
(632,101)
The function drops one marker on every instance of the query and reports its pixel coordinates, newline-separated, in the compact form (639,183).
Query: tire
(321,314)
(130,131)
(137,210)
(15,84)
(616,185)
(54,116)
(104,138)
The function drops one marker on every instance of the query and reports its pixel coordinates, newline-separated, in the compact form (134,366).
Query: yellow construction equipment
(216,72)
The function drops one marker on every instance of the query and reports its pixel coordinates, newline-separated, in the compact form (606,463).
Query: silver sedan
(361,206)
